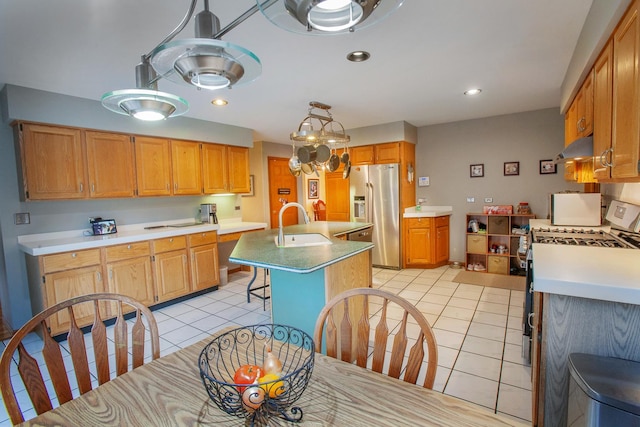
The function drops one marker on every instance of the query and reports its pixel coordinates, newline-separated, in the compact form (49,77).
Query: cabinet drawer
(418,222)
(498,264)
(169,244)
(442,220)
(126,251)
(498,225)
(204,238)
(476,244)
(69,260)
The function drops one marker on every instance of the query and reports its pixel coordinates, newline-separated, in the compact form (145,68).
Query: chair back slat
(33,382)
(100,350)
(78,354)
(414,363)
(332,339)
(346,331)
(120,338)
(389,363)
(362,341)
(55,365)
(398,349)
(380,341)
(30,369)
(137,341)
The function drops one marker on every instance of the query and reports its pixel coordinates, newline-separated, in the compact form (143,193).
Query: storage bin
(476,244)
(498,264)
(498,225)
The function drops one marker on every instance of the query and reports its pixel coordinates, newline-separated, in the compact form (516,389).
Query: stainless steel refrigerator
(375,197)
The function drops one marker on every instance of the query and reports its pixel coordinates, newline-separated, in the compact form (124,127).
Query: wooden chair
(351,338)
(52,356)
(319,211)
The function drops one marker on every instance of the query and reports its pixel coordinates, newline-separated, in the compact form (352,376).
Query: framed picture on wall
(476,171)
(511,168)
(547,166)
(313,189)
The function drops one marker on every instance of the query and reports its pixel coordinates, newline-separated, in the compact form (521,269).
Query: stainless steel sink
(302,240)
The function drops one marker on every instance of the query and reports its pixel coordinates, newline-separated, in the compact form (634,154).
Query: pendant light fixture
(327,16)
(319,129)
(204,61)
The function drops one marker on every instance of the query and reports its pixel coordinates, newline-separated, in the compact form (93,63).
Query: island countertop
(258,249)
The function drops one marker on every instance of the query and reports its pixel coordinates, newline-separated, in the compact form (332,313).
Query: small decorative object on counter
(523,208)
(282,355)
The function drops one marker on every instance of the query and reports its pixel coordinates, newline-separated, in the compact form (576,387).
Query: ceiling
(423,57)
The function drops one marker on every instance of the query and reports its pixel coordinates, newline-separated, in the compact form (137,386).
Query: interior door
(283,188)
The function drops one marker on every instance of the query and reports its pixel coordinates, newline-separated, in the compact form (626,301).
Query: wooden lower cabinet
(171,268)
(129,271)
(59,277)
(203,254)
(426,243)
(150,271)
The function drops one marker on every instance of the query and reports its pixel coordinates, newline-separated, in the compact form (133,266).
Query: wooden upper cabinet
(186,167)
(602,114)
(52,162)
(585,107)
(110,163)
(387,153)
(238,158)
(362,155)
(625,130)
(214,169)
(153,166)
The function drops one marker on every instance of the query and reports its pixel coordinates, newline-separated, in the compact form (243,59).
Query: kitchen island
(303,279)
(587,301)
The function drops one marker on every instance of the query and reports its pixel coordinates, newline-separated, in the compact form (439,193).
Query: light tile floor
(478,330)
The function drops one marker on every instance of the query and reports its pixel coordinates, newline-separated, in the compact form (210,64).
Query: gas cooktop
(588,237)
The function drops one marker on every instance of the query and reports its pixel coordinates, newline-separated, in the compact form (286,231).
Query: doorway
(283,188)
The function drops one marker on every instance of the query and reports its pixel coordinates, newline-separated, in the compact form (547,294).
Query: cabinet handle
(93,188)
(167,186)
(530,319)
(175,186)
(110,274)
(128,246)
(73,255)
(81,187)
(99,276)
(171,240)
(603,158)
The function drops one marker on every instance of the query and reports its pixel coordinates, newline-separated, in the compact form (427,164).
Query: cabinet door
(571,124)
(204,267)
(186,167)
(442,244)
(419,245)
(602,99)
(132,277)
(110,163)
(337,195)
(584,100)
(387,153)
(53,162)
(625,133)
(63,285)
(214,169)
(362,155)
(153,166)
(238,158)
(171,275)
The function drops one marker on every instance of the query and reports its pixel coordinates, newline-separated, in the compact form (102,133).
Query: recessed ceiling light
(358,56)
(220,102)
(473,92)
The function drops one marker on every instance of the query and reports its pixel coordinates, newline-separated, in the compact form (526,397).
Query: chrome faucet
(284,208)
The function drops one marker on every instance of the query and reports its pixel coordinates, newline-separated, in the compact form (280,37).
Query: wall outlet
(471,199)
(237,208)
(22,218)
(488,199)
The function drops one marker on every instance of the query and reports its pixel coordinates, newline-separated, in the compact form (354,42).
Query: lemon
(270,384)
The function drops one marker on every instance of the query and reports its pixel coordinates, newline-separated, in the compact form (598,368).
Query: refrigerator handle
(370,204)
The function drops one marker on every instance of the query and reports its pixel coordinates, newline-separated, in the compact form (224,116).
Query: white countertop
(49,243)
(609,274)
(427,211)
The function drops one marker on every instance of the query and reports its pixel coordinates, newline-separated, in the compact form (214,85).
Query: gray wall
(445,152)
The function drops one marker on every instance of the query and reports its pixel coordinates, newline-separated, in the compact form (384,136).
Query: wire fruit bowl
(249,345)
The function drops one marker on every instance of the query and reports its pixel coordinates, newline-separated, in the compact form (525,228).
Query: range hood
(579,149)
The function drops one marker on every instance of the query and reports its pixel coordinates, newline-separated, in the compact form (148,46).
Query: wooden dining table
(169,392)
